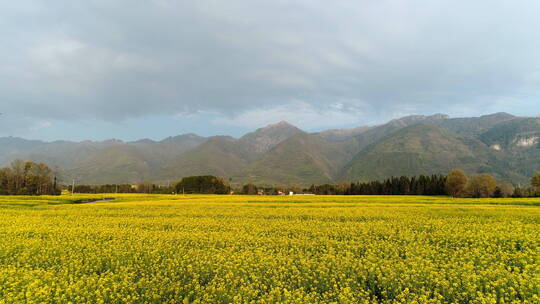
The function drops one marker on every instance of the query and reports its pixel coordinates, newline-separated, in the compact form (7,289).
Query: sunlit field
(267,249)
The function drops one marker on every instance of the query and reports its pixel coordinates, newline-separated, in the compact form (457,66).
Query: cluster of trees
(483,185)
(532,191)
(206,184)
(28,178)
(458,184)
(404,185)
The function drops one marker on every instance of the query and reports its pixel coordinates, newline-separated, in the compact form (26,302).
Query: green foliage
(456,182)
(416,150)
(28,178)
(206,184)
(481,186)
(250,189)
(404,185)
(535,182)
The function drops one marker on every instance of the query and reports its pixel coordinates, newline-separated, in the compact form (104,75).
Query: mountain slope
(121,164)
(473,126)
(377,133)
(266,138)
(518,132)
(414,150)
(301,160)
(220,155)
(228,157)
(11,147)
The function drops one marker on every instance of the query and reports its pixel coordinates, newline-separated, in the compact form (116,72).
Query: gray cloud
(114,60)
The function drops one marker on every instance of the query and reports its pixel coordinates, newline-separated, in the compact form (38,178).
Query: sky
(102,69)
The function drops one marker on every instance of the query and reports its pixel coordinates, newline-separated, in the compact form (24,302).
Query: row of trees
(189,185)
(483,185)
(122,188)
(456,184)
(532,191)
(28,178)
(404,185)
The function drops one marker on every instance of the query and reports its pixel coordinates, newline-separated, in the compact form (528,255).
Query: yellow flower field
(248,249)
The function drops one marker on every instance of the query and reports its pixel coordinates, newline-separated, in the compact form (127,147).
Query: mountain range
(506,146)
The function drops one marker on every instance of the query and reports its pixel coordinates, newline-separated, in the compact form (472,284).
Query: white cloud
(299,113)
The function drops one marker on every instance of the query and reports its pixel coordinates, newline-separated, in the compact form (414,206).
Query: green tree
(203,185)
(456,182)
(250,189)
(506,189)
(535,182)
(481,186)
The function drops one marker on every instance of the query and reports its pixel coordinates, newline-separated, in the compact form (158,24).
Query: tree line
(404,185)
(484,185)
(148,188)
(31,178)
(456,184)
(206,184)
(28,178)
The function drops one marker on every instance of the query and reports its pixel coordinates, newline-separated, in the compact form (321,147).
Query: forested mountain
(281,154)
(419,149)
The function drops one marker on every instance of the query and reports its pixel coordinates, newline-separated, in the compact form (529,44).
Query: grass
(258,249)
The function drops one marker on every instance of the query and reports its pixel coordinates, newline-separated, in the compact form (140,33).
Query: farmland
(262,249)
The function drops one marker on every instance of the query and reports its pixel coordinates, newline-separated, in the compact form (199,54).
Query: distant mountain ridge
(281,154)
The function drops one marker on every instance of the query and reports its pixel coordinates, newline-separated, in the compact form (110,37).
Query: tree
(250,189)
(506,189)
(481,186)
(498,193)
(456,182)
(518,192)
(535,182)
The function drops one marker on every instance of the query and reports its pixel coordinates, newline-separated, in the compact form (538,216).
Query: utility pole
(73,187)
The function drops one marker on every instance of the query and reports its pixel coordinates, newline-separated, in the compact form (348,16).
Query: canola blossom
(257,249)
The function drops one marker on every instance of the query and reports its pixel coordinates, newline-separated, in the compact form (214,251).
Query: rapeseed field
(247,249)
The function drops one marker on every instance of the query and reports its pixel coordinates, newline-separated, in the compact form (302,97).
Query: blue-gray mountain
(499,144)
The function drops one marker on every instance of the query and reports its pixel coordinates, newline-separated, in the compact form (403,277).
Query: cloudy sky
(132,69)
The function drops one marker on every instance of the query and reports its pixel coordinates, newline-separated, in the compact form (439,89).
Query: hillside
(301,160)
(219,155)
(414,150)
